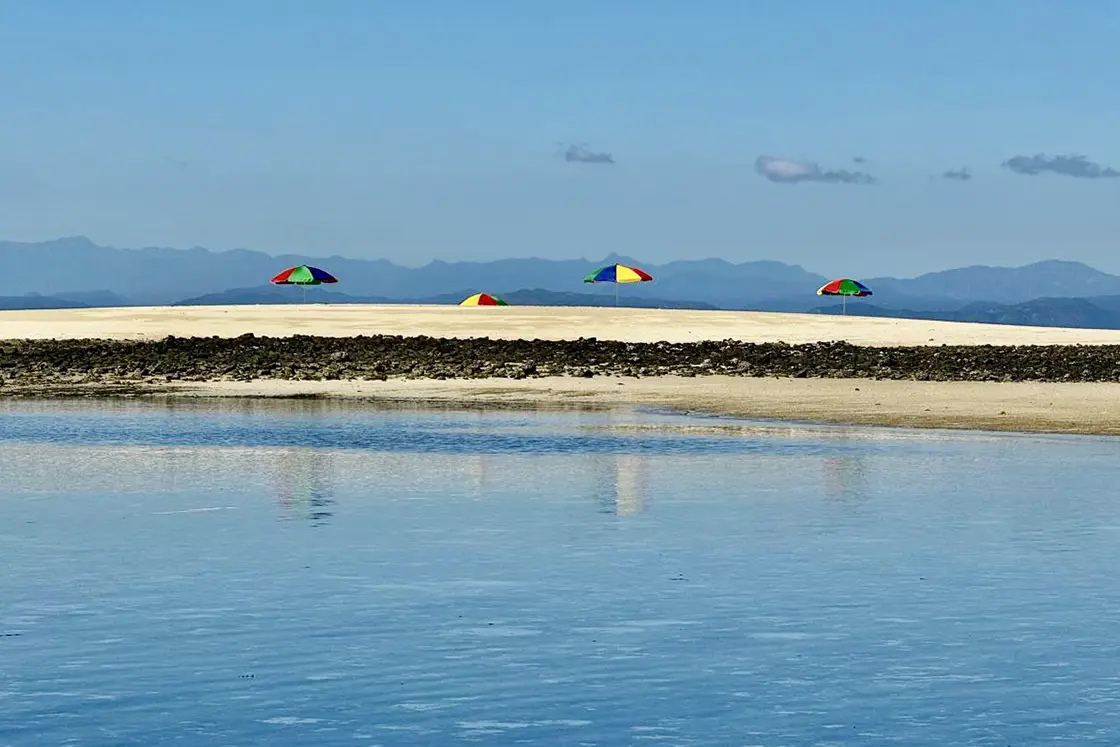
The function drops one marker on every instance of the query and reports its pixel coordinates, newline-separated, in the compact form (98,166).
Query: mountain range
(75,272)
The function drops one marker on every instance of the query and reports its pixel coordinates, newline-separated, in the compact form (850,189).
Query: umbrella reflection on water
(303,484)
(622,489)
(845,477)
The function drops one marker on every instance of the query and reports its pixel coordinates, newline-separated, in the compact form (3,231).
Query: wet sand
(1077,408)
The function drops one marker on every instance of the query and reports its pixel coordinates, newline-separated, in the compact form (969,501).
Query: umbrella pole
(616,294)
(844,304)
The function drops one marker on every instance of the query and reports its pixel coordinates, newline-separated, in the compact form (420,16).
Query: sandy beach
(1068,399)
(511,322)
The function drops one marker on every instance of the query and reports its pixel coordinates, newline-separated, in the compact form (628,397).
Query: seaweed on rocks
(96,363)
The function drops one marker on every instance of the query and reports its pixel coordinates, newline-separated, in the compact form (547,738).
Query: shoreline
(1017,407)
(1025,407)
(787,367)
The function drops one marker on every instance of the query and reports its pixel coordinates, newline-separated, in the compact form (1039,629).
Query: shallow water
(325,573)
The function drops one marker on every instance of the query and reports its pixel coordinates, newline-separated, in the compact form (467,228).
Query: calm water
(255,573)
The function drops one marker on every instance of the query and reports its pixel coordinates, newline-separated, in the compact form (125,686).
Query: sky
(870,137)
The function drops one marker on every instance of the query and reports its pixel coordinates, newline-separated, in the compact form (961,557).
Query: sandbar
(523,322)
(1088,407)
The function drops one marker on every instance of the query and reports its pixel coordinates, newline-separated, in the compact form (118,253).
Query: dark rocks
(50,363)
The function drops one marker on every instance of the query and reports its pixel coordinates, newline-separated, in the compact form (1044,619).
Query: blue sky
(434,129)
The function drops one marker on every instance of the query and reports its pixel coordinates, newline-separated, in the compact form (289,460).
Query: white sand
(634,325)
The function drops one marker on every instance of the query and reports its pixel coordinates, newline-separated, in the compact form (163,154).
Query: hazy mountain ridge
(161,276)
(272,294)
(1008,285)
(74,272)
(1039,312)
(35,301)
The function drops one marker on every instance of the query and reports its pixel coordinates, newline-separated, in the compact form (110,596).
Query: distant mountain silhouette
(1108,303)
(1039,312)
(273,294)
(277,294)
(94,298)
(1008,285)
(162,276)
(541,297)
(36,301)
(75,272)
(1043,312)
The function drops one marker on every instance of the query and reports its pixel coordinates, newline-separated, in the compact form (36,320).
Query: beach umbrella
(304,275)
(844,287)
(482,299)
(617,274)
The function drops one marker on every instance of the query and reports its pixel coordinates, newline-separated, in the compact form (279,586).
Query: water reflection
(930,584)
(846,477)
(846,473)
(476,466)
(303,484)
(621,484)
(630,484)
(477,474)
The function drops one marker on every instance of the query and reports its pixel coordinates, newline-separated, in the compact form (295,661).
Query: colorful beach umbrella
(304,275)
(482,299)
(617,274)
(844,287)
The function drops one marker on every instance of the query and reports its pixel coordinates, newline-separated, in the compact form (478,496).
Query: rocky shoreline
(67,367)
